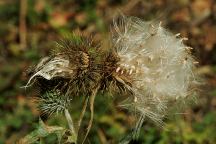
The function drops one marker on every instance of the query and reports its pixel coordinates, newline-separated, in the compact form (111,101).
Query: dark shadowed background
(29,29)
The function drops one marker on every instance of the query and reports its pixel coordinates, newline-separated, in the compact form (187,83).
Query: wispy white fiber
(159,63)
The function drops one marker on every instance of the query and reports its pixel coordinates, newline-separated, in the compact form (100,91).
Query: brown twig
(22,24)
(70,122)
(92,99)
(102,136)
(83,112)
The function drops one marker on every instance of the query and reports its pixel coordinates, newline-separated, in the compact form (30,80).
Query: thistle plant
(160,65)
(148,66)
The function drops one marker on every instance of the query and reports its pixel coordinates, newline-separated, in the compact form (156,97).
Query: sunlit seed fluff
(159,63)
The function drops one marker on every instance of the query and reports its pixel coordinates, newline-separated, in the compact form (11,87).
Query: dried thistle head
(76,67)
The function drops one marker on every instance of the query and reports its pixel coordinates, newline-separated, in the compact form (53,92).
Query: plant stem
(70,123)
(83,112)
(42,131)
(92,99)
(138,127)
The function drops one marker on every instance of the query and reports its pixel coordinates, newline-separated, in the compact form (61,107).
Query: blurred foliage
(48,20)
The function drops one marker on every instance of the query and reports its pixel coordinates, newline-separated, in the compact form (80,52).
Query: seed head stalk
(70,123)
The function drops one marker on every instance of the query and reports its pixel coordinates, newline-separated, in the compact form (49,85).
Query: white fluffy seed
(160,70)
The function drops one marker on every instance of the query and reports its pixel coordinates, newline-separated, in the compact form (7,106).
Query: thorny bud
(53,102)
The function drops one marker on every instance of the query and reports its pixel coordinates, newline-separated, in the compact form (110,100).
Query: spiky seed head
(53,102)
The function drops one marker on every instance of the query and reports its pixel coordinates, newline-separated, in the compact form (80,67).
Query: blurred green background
(29,29)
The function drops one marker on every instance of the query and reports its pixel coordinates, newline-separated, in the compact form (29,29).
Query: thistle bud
(52,102)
